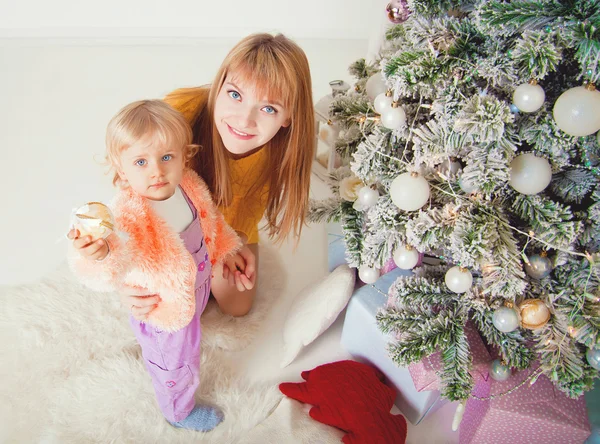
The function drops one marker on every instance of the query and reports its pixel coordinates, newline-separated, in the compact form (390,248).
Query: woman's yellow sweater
(249,203)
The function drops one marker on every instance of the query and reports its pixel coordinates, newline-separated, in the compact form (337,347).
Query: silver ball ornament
(539,266)
(406,258)
(593,357)
(409,191)
(382,102)
(397,11)
(393,117)
(577,111)
(499,371)
(529,97)
(505,319)
(368,275)
(375,86)
(530,174)
(458,279)
(367,197)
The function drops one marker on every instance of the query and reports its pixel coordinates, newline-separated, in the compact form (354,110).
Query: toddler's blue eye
(270,110)
(234,95)
(167,157)
(140,162)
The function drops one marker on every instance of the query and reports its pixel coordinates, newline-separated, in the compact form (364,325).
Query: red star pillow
(351,396)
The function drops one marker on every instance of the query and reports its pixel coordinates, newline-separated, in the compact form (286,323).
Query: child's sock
(202,419)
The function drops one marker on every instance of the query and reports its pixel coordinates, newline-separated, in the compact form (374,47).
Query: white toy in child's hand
(93,219)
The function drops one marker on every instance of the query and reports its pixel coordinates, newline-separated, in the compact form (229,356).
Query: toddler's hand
(96,250)
(138,302)
(240,269)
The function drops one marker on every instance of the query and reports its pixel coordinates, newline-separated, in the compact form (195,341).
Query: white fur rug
(71,371)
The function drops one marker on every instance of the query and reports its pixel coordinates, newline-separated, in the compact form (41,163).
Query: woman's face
(245,121)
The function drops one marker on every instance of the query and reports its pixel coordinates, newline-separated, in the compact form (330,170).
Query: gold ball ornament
(534,314)
(93,219)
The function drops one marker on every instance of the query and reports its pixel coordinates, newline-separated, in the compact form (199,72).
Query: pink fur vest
(154,258)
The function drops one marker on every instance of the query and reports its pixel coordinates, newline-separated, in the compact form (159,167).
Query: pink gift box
(538,413)
(424,375)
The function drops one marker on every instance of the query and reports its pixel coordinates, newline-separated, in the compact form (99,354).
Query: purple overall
(173,359)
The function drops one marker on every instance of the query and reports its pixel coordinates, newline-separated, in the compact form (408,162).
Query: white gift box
(362,338)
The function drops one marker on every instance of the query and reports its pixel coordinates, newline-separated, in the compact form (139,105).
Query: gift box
(362,338)
(530,413)
(424,373)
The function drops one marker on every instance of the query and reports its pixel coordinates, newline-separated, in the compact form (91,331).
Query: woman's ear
(286,123)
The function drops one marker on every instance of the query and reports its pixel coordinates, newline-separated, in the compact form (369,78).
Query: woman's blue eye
(140,162)
(270,110)
(234,95)
(167,157)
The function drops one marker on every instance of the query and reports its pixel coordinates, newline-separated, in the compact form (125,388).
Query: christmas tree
(472,140)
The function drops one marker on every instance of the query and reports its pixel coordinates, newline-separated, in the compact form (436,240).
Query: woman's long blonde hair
(278,69)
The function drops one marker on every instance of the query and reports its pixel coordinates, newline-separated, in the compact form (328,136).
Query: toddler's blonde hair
(147,119)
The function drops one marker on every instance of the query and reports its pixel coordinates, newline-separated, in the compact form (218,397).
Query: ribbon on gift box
(424,373)
(531,413)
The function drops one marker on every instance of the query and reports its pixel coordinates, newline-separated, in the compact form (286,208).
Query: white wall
(343,19)
(67,66)
(56,102)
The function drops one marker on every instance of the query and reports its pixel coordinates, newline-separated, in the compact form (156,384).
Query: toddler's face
(152,169)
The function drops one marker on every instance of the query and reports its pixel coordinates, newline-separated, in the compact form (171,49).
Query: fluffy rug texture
(72,371)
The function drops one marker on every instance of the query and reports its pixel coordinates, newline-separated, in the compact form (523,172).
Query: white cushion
(314,309)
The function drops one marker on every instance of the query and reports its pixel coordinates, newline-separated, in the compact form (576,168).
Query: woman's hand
(138,302)
(96,250)
(240,270)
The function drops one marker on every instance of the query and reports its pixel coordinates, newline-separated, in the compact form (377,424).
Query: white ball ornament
(406,257)
(393,117)
(382,102)
(577,111)
(458,279)
(367,197)
(467,186)
(529,97)
(409,191)
(375,86)
(505,319)
(368,275)
(499,371)
(449,167)
(530,174)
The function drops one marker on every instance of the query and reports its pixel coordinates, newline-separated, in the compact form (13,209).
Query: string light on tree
(383,101)
(530,174)
(406,257)
(529,97)
(577,110)
(534,314)
(368,275)
(409,191)
(458,279)
(375,86)
(393,117)
(538,266)
(505,319)
(499,371)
